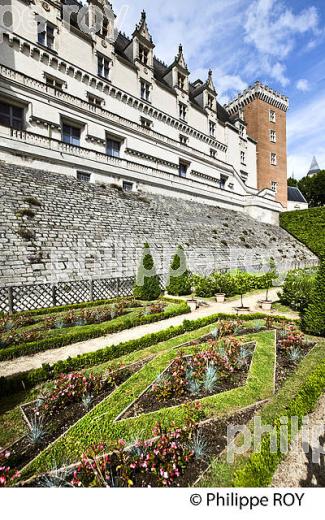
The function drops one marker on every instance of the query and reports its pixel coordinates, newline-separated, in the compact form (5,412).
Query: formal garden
(154,411)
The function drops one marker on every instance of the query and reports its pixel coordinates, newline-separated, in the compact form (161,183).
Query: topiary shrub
(147,286)
(179,276)
(313,321)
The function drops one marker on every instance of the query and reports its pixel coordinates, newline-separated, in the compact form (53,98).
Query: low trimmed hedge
(82,333)
(100,424)
(297,397)
(259,470)
(30,379)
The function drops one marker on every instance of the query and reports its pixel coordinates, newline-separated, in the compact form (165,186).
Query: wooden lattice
(29,297)
(73,292)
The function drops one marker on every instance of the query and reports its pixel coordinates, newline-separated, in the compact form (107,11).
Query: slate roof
(160,70)
(295,195)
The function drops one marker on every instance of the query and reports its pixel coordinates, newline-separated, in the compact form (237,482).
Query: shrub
(179,276)
(25,212)
(33,201)
(313,320)
(26,234)
(297,289)
(147,284)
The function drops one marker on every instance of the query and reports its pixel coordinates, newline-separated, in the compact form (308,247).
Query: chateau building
(314,168)
(79,98)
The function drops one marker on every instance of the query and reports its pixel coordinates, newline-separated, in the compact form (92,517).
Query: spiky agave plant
(199,446)
(210,379)
(37,431)
(294,354)
(87,400)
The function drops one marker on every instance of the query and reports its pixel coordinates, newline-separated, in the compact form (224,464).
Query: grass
(13,425)
(100,425)
(223,474)
(279,307)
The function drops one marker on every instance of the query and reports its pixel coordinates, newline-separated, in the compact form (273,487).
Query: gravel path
(26,363)
(297,469)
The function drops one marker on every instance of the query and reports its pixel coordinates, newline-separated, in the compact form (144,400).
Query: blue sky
(279,42)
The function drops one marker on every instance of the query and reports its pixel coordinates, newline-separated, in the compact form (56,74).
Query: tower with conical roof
(314,168)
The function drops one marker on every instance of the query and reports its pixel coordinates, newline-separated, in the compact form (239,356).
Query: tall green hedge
(313,320)
(308,226)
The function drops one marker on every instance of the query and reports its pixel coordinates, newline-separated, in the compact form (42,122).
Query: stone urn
(220,297)
(267,305)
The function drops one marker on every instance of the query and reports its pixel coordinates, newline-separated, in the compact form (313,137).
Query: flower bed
(221,367)
(73,327)
(67,399)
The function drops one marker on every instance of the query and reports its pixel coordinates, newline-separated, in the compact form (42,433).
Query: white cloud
(303,85)
(306,135)
(273,30)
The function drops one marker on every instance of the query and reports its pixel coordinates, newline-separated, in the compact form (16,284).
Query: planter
(193,304)
(220,297)
(267,305)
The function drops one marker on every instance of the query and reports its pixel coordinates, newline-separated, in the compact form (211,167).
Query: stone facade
(100,104)
(56,228)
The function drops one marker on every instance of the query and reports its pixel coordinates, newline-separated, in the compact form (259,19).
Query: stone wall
(55,228)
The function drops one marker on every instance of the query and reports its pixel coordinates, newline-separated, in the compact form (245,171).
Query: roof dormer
(177,74)
(102,20)
(140,49)
(205,93)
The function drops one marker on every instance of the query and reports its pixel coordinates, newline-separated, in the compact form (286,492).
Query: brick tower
(264,112)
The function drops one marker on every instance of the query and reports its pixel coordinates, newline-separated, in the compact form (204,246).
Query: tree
(270,277)
(147,286)
(179,280)
(313,320)
(292,182)
(313,189)
(243,284)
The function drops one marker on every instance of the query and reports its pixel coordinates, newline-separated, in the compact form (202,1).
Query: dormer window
(211,102)
(146,123)
(143,54)
(95,100)
(45,34)
(212,128)
(145,90)
(182,111)
(181,81)
(103,66)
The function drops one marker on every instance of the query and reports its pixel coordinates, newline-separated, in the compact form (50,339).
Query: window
(274,186)
(103,66)
(113,148)
(183,139)
(11,116)
(242,157)
(181,81)
(54,82)
(241,130)
(272,116)
(273,136)
(146,123)
(145,90)
(71,135)
(182,111)
(127,186)
(223,180)
(273,159)
(45,34)
(95,100)
(211,102)
(182,169)
(83,176)
(212,128)
(213,153)
(143,54)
